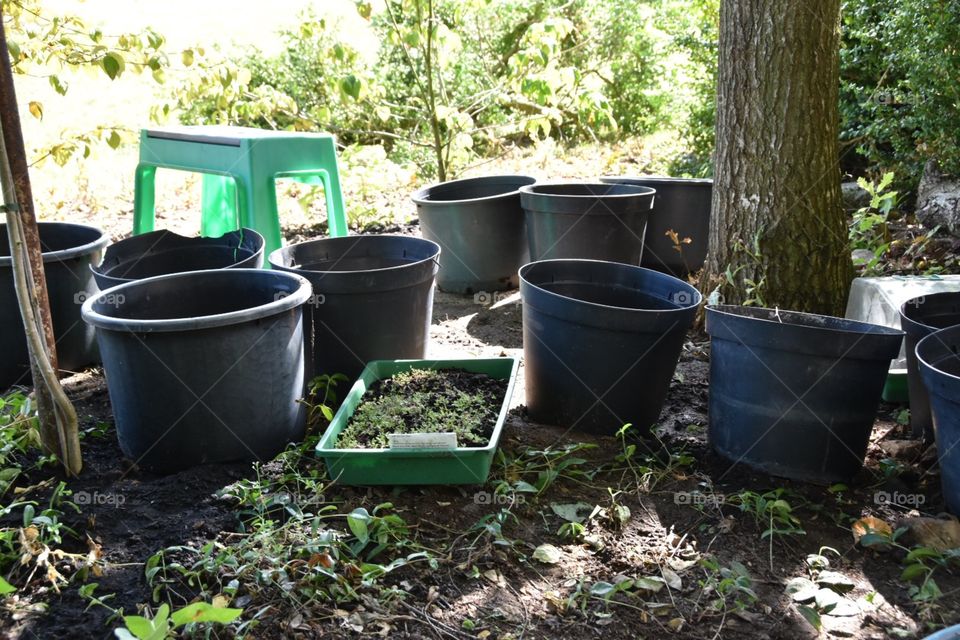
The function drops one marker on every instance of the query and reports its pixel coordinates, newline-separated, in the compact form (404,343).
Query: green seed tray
(463,465)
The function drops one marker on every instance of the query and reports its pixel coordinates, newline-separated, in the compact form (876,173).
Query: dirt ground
(493,587)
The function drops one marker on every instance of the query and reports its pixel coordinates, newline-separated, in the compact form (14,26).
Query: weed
(868,229)
(769,510)
(732,585)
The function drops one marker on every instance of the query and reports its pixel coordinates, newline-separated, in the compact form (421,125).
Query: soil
(427,401)
(491,587)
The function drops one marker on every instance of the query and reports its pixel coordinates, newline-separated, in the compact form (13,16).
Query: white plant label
(446,440)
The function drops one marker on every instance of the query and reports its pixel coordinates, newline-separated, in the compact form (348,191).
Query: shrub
(900,102)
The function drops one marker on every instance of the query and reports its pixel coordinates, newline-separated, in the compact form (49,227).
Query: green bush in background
(900,97)
(451,82)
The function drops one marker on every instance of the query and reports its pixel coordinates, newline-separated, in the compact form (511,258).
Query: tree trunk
(777,223)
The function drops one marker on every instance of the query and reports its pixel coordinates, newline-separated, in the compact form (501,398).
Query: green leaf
(114,140)
(59,85)
(811,615)
(350,85)
(113,64)
(14,50)
(357,521)
(6,587)
(204,612)
(912,572)
(139,626)
(187,57)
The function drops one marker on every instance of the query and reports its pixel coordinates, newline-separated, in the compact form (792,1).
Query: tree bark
(777,219)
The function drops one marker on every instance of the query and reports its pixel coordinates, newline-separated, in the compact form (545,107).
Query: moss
(426,401)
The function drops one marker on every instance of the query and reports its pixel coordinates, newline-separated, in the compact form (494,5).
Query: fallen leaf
(547,554)
(872,533)
(672,579)
(676,624)
(571,512)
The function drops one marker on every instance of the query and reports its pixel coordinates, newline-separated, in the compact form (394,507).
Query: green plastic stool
(240,167)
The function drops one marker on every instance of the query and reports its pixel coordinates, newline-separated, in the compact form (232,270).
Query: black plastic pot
(163,252)
(68,252)
(478,223)
(601,341)
(938,356)
(586,220)
(204,366)
(919,318)
(682,205)
(372,298)
(795,394)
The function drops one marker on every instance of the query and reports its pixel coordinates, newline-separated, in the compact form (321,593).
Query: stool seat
(240,167)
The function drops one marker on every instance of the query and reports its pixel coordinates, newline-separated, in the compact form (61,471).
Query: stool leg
(144,198)
(219,209)
(336,212)
(258,210)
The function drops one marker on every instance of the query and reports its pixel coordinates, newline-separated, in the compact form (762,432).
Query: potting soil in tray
(427,401)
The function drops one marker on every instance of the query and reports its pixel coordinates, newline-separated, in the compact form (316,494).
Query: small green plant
(643,471)
(164,624)
(868,228)
(731,586)
(534,471)
(769,510)
(749,255)
(322,398)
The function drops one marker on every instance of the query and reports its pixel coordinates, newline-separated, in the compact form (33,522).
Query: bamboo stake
(58,418)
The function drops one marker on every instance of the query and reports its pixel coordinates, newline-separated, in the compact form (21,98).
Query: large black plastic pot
(372,298)
(937,355)
(478,223)
(601,341)
(68,252)
(204,366)
(586,220)
(163,252)
(682,205)
(795,394)
(920,317)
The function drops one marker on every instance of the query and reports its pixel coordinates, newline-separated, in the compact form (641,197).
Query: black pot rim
(106,274)
(280,304)
(594,305)
(664,180)
(421,197)
(276,255)
(72,252)
(912,303)
(943,337)
(730,310)
(534,190)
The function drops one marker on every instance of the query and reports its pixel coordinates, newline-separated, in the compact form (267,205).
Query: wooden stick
(58,419)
